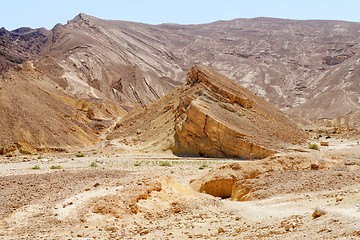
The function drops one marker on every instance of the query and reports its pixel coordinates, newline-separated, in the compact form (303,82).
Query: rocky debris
(292,222)
(58,205)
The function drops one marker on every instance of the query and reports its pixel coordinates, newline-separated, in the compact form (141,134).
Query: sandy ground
(148,197)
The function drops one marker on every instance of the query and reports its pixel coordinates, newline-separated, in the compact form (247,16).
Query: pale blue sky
(46,13)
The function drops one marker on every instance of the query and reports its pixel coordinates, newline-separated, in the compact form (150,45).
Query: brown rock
(324,144)
(318,212)
(314,166)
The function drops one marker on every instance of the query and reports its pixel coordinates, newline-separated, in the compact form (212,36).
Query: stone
(314,166)
(324,144)
(318,212)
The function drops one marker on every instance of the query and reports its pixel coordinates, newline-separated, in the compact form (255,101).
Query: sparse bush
(40,157)
(56,167)
(93,164)
(79,154)
(203,166)
(137,164)
(36,167)
(165,164)
(314,146)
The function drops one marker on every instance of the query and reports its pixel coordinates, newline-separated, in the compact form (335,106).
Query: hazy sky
(46,13)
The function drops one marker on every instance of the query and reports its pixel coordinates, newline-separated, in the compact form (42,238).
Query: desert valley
(240,129)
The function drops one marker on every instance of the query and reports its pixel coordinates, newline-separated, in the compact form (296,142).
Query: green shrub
(93,164)
(165,164)
(79,154)
(36,167)
(137,164)
(56,167)
(314,146)
(203,166)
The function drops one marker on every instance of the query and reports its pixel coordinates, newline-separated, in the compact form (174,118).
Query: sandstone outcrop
(218,118)
(210,116)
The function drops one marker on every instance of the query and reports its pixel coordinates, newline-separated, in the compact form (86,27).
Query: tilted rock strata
(217,118)
(209,116)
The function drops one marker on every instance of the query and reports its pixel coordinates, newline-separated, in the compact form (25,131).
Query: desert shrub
(56,167)
(93,164)
(79,154)
(203,166)
(137,164)
(164,164)
(36,167)
(314,146)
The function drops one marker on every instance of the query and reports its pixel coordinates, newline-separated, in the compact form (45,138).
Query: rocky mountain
(209,116)
(308,69)
(287,62)
(20,45)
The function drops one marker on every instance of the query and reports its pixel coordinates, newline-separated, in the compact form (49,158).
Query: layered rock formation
(210,116)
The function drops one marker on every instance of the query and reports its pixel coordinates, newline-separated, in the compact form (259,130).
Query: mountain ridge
(309,69)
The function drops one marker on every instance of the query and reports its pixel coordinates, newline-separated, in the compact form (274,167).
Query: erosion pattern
(305,68)
(37,116)
(210,116)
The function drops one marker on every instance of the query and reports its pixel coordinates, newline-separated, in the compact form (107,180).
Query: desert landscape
(241,129)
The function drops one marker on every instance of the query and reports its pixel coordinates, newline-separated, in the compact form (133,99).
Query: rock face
(218,118)
(211,116)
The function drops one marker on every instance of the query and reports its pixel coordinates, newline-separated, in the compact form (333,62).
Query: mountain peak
(81,18)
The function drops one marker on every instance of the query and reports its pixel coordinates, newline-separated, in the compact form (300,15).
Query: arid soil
(105,195)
